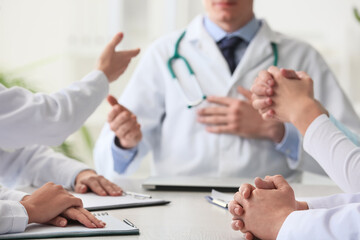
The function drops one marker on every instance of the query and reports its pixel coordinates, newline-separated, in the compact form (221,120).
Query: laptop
(184,183)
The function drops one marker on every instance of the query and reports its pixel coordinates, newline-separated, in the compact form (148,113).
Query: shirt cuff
(290,144)
(122,157)
(20,215)
(287,228)
(312,128)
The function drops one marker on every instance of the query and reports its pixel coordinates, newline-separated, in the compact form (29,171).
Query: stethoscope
(176,56)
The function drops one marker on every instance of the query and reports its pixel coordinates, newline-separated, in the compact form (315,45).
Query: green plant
(357,15)
(65,147)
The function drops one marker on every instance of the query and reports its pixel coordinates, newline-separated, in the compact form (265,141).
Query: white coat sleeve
(146,82)
(333,200)
(336,154)
(342,222)
(48,119)
(36,165)
(13,217)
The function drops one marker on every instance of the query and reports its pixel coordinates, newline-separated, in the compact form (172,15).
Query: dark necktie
(227,47)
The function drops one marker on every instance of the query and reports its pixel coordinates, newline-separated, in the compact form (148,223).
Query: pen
(129,223)
(134,194)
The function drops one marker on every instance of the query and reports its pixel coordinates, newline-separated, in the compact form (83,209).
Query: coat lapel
(258,51)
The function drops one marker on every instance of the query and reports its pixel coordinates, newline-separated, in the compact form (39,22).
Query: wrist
(120,145)
(29,210)
(306,113)
(275,131)
(301,205)
(278,224)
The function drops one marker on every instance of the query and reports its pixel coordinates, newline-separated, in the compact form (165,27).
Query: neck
(233,25)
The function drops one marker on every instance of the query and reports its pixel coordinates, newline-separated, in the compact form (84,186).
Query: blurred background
(51,43)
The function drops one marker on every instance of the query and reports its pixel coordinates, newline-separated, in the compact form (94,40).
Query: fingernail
(236,210)
(242,192)
(63,223)
(94,225)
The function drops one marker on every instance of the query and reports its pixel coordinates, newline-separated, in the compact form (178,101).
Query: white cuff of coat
(289,229)
(12,195)
(311,130)
(19,217)
(98,76)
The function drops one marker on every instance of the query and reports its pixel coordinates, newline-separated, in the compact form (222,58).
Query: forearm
(333,200)
(304,115)
(336,154)
(50,118)
(36,165)
(322,224)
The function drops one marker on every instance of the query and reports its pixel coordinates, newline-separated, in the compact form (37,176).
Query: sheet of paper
(226,197)
(92,201)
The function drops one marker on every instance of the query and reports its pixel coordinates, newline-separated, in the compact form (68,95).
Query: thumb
(58,221)
(264,184)
(114,41)
(81,188)
(112,100)
(130,53)
(291,74)
(279,181)
(246,93)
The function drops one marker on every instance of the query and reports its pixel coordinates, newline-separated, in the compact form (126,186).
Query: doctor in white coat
(222,136)
(51,118)
(292,100)
(27,119)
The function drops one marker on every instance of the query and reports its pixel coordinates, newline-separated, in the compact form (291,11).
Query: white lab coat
(33,165)
(180,145)
(27,118)
(336,154)
(335,217)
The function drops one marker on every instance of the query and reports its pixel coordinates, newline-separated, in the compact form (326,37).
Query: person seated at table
(27,119)
(270,210)
(224,136)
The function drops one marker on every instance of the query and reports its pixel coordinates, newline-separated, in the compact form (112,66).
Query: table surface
(189,215)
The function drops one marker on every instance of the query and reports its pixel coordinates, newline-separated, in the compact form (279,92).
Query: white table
(189,215)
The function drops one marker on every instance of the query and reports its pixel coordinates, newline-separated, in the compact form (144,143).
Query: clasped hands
(261,210)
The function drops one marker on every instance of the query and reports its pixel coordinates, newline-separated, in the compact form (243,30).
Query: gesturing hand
(124,124)
(238,117)
(114,63)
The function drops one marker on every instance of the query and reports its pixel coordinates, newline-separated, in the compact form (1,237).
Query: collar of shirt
(246,33)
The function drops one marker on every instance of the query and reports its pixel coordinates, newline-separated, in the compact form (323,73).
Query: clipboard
(113,226)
